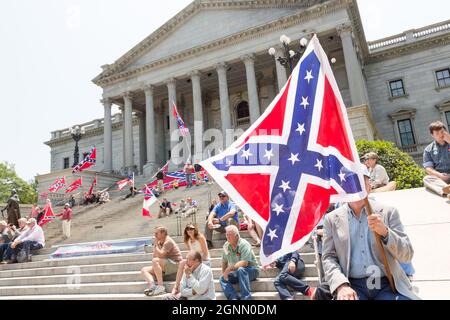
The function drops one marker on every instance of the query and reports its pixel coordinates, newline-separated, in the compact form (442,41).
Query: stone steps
(136,287)
(56,277)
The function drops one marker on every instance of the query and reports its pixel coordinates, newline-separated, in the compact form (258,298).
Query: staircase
(117,277)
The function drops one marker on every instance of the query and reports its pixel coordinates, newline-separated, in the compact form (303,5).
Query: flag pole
(381,249)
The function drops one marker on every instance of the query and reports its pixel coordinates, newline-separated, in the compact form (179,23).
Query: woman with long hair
(194,241)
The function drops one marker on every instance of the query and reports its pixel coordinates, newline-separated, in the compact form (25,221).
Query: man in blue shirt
(223,214)
(436,160)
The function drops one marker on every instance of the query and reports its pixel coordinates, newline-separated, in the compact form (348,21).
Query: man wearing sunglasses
(223,215)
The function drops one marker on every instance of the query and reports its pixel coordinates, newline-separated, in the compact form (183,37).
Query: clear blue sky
(51,49)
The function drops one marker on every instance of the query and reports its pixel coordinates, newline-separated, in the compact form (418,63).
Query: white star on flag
(319,165)
(268,155)
(246,154)
(301,128)
(278,208)
(342,176)
(285,186)
(309,76)
(305,102)
(272,234)
(294,158)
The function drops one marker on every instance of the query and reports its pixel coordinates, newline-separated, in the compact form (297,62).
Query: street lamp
(290,55)
(76,133)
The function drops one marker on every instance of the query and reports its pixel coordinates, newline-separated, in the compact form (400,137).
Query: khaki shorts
(170,267)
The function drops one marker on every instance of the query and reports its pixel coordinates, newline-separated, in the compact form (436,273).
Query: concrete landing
(426,217)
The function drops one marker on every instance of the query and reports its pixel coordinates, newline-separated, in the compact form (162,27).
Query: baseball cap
(222,193)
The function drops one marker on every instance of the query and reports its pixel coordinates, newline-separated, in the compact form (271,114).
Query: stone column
(356,80)
(253,100)
(198,115)
(128,129)
(225,112)
(142,142)
(107,136)
(281,70)
(172,91)
(151,165)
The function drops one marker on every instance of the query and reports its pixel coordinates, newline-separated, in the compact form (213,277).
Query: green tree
(9,180)
(399,165)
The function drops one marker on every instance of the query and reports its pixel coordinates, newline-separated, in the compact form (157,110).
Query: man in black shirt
(165,208)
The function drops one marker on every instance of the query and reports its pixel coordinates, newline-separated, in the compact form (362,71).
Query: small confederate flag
(123,183)
(149,200)
(165,169)
(47,217)
(75,185)
(94,183)
(59,184)
(89,161)
(180,123)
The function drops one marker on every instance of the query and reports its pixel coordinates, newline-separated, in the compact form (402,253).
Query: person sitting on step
(379,179)
(292,268)
(166,257)
(197,282)
(165,208)
(194,241)
(223,214)
(181,207)
(31,239)
(191,207)
(239,265)
(254,230)
(436,160)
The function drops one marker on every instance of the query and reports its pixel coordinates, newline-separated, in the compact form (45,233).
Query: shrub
(399,165)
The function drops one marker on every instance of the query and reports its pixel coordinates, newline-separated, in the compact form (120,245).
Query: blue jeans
(3,248)
(286,279)
(408,268)
(383,293)
(28,246)
(243,276)
(189,179)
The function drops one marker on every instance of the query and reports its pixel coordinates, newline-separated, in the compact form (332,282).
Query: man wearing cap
(378,175)
(66,217)
(223,214)
(351,260)
(31,239)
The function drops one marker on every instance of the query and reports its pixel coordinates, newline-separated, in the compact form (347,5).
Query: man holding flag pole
(299,156)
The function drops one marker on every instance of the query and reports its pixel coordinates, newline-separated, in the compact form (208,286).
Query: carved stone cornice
(315,9)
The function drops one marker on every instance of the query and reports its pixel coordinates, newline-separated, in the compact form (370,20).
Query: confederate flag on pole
(75,185)
(59,184)
(89,161)
(47,217)
(94,183)
(296,158)
(149,200)
(180,123)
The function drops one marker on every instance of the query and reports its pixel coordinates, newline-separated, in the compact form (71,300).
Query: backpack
(22,256)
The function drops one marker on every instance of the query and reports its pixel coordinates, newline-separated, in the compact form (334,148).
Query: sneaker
(149,291)
(311,293)
(159,290)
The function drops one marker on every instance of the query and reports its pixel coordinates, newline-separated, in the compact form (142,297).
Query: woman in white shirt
(194,241)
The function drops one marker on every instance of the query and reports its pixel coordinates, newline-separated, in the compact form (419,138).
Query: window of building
(242,113)
(397,88)
(168,123)
(406,133)
(443,78)
(66,163)
(447,117)
(170,155)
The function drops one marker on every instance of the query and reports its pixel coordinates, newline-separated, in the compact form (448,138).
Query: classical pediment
(202,23)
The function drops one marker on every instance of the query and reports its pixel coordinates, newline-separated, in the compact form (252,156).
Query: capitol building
(212,60)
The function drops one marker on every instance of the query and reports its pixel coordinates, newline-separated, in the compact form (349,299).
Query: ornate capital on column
(248,58)
(106,102)
(170,82)
(344,29)
(128,96)
(221,66)
(148,89)
(194,74)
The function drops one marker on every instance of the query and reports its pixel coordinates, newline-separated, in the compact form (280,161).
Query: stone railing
(410,36)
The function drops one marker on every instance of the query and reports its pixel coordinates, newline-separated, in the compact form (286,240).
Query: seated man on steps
(197,282)
(191,207)
(165,208)
(292,268)
(31,239)
(352,263)
(436,160)
(166,257)
(238,265)
(223,214)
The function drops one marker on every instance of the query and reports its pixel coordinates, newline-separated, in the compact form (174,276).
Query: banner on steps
(101,248)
